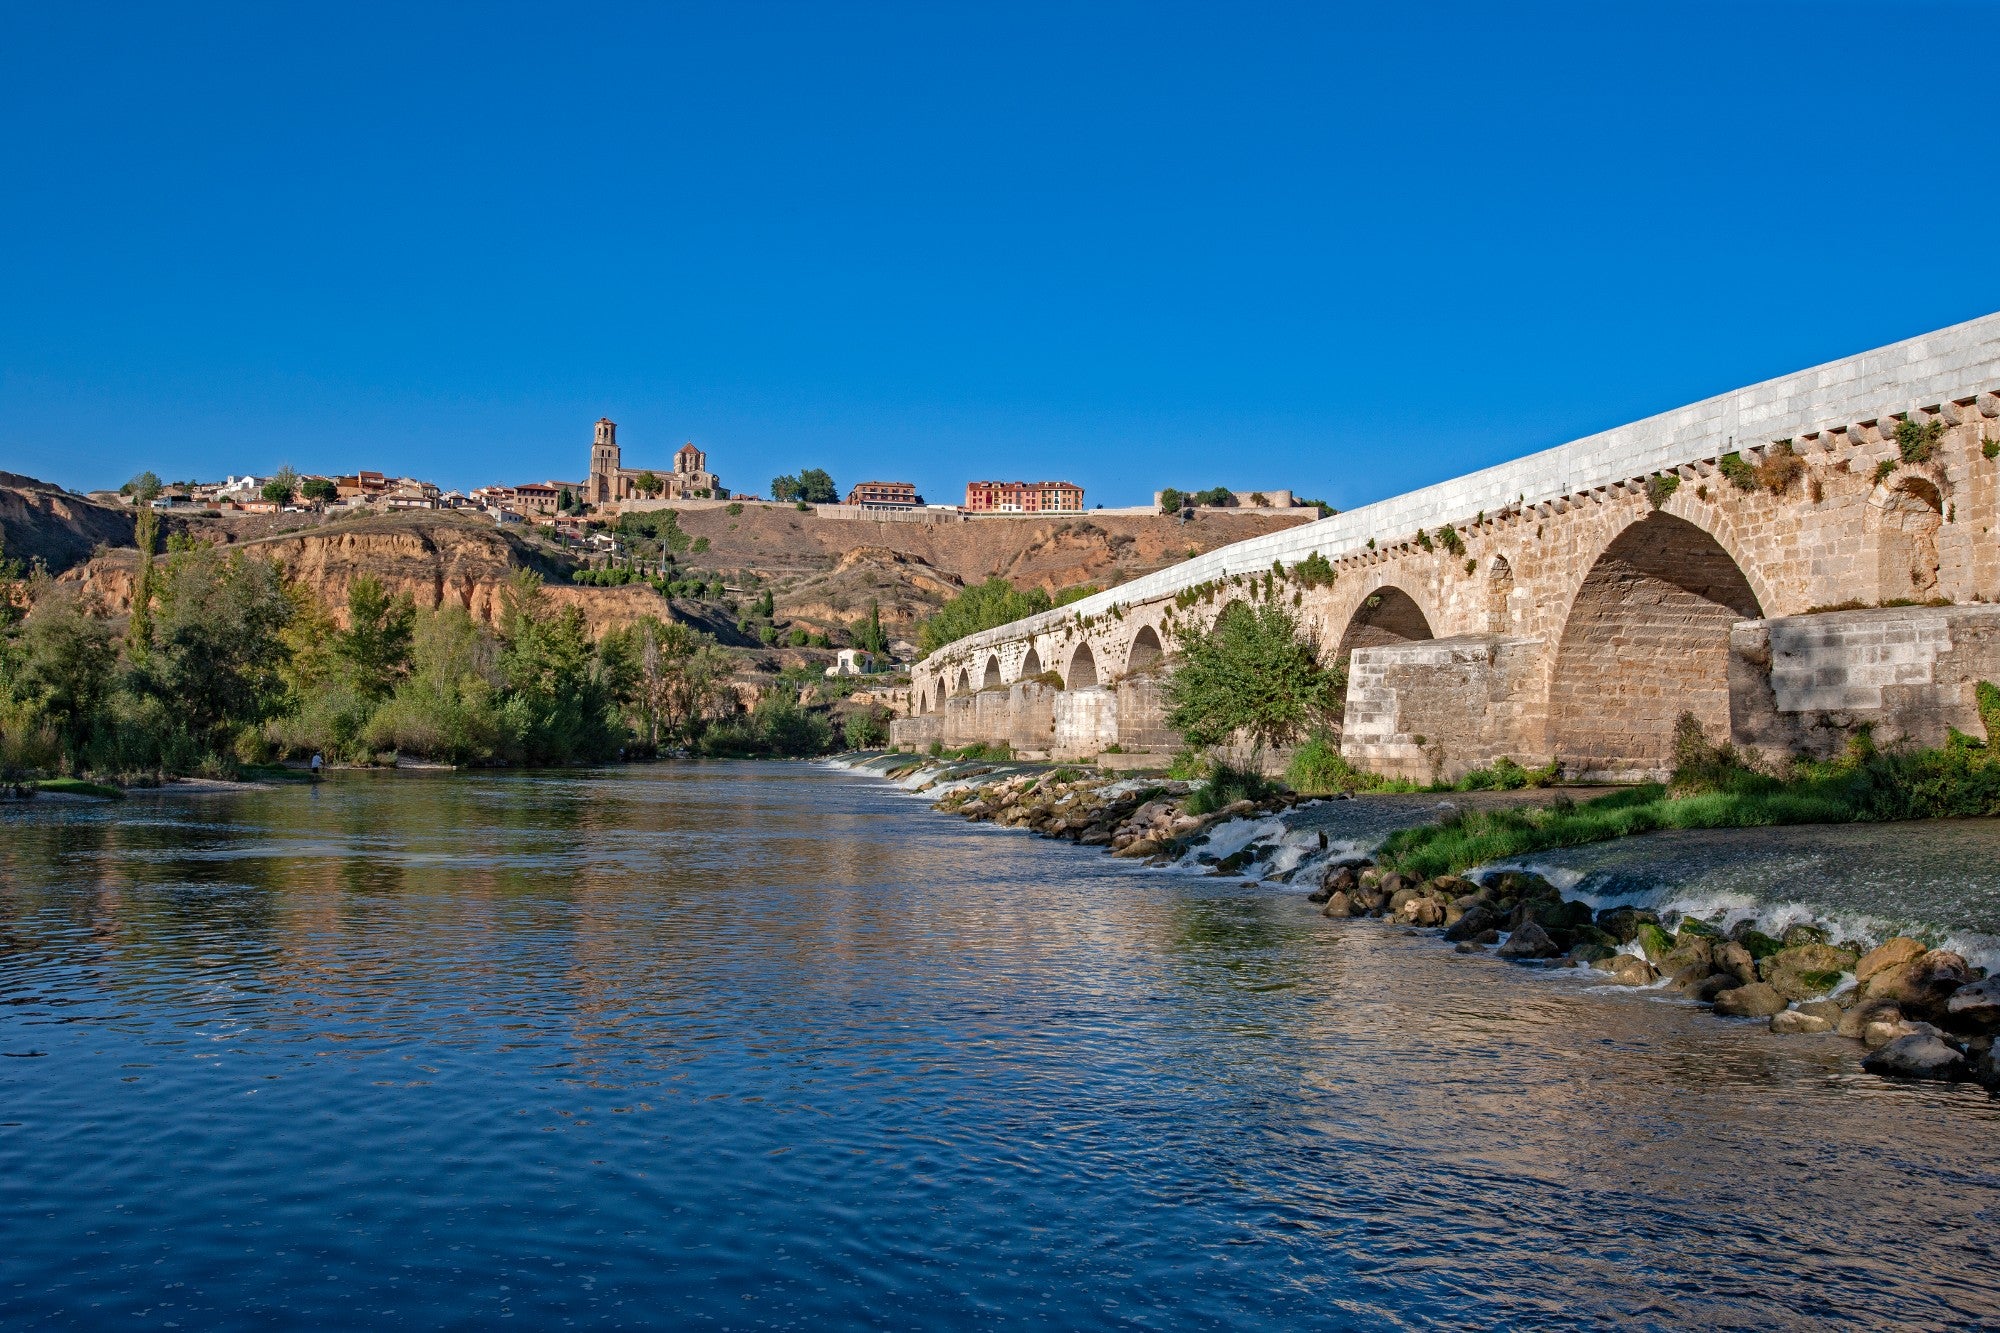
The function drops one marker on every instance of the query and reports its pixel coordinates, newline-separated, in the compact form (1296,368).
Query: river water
(771,1046)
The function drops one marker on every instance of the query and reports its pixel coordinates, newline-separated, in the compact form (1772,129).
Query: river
(773,1046)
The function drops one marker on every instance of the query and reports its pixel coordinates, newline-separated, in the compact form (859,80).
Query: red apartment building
(885,495)
(1023,497)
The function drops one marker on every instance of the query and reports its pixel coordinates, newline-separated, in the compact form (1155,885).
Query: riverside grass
(1958,780)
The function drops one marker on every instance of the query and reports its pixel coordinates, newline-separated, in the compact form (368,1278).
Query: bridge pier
(1804,684)
(1432,709)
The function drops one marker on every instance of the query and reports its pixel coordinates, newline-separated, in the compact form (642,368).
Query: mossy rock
(1589,951)
(1596,938)
(1691,927)
(1624,922)
(1655,941)
(1805,971)
(1758,943)
(1794,936)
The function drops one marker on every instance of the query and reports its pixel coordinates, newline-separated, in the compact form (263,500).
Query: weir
(1790,562)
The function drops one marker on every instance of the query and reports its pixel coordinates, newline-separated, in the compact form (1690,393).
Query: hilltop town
(787,577)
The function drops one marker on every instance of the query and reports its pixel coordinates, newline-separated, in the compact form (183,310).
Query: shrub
(1318,769)
(735,510)
(1170,501)
(1315,571)
(1990,447)
(1781,467)
(1736,471)
(1883,469)
(1661,486)
(1449,539)
(1917,440)
(767,635)
(865,730)
(1226,785)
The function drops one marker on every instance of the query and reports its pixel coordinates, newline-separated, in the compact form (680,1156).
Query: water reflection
(760,1045)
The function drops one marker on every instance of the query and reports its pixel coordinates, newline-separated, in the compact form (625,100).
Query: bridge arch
(1646,639)
(992,672)
(1082,669)
(964,681)
(1031,665)
(1385,615)
(1499,589)
(1145,652)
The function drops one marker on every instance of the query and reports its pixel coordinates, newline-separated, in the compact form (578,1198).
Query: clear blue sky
(1345,251)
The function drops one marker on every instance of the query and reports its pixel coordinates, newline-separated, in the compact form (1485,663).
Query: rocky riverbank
(1915,1011)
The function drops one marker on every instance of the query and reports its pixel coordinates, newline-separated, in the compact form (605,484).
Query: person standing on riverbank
(316,765)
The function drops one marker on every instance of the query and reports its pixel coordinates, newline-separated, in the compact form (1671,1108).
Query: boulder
(1338,905)
(1589,934)
(1449,887)
(1692,927)
(1705,990)
(1489,938)
(1400,899)
(1826,1009)
(1529,941)
(1368,901)
(1755,942)
(1802,971)
(1467,946)
(1589,954)
(1975,1006)
(1918,1055)
(1686,978)
(1854,1021)
(1622,969)
(1795,936)
(1924,985)
(1421,911)
(1478,919)
(1654,940)
(1755,1000)
(1888,954)
(1690,951)
(1138,847)
(1734,958)
(1794,1022)
(1622,923)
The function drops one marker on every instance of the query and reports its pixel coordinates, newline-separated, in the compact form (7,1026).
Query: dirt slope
(38,520)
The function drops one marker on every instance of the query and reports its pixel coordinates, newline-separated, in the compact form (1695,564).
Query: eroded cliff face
(40,521)
(439,560)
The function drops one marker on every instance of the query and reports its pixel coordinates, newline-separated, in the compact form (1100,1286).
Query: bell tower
(604,463)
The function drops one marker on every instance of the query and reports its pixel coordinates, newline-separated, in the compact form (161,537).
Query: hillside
(822,572)
(40,521)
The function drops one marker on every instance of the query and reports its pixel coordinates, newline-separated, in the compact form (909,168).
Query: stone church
(612,483)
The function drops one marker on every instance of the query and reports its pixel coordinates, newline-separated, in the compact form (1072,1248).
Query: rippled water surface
(775,1047)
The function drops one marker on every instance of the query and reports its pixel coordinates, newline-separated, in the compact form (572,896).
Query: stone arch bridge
(1788,562)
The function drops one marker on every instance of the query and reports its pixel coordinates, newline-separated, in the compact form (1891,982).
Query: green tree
(784,486)
(816,487)
(1170,501)
(319,490)
(767,605)
(144,489)
(871,636)
(65,672)
(982,606)
(375,646)
(1255,672)
(216,645)
(558,708)
(283,486)
(649,483)
(677,681)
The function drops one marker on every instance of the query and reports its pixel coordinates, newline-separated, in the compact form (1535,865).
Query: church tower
(604,463)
